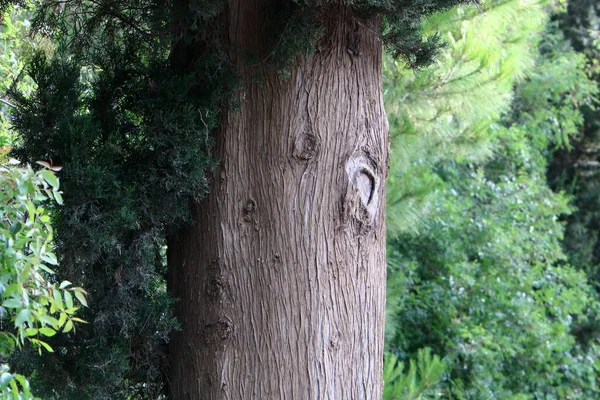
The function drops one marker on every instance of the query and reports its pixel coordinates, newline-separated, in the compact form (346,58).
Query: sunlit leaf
(47,331)
(68,326)
(81,297)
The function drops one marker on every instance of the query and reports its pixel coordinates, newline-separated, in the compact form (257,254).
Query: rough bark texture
(281,280)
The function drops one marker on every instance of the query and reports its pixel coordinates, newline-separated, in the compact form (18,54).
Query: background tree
(451,110)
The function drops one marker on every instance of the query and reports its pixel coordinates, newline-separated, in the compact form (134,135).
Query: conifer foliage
(450,111)
(133,140)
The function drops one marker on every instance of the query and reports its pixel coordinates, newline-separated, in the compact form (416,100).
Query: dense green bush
(576,168)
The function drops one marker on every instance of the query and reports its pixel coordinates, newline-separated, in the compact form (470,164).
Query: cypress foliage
(131,130)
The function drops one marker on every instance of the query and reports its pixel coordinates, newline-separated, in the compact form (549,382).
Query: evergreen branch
(124,19)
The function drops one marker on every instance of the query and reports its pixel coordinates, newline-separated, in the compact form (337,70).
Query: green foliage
(6,5)
(420,382)
(488,290)
(16,46)
(14,386)
(403,32)
(135,151)
(451,110)
(552,99)
(486,284)
(34,305)
(574,166)
(130,126)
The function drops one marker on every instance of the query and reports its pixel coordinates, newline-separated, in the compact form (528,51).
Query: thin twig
(7,103)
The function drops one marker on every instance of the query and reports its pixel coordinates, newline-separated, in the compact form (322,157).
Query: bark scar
(250,213)
(218,331)
(366,185)
(361,201)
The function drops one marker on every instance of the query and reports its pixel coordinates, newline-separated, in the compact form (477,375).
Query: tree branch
(7,103)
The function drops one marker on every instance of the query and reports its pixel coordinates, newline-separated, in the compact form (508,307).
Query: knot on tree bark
(306,146)
(219,331)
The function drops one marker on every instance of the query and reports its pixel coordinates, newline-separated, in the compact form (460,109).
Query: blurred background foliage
(491,206)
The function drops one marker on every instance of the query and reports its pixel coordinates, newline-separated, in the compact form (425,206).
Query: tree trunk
(281,279)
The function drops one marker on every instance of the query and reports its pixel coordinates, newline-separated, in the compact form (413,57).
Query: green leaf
(42,343)
(24,384)
(22,317)
(15,389)
(7,344)
(48,270)
(62,319)
(81,297)
(13,288)
(15,227)
(68,326)
(31,332)
(12,303)
(5,379)
(30,210)
(58,197)
(50,258)
(46,319)
(68,299)
(56,294)
(64,284)
(50,178)
(47,331)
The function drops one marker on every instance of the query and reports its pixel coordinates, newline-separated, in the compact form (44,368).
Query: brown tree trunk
(281,280)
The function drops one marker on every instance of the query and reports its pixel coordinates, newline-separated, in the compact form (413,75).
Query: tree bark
(281,279)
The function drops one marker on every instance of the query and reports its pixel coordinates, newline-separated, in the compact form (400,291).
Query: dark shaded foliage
(575,168)
(130,168)
(130,127)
